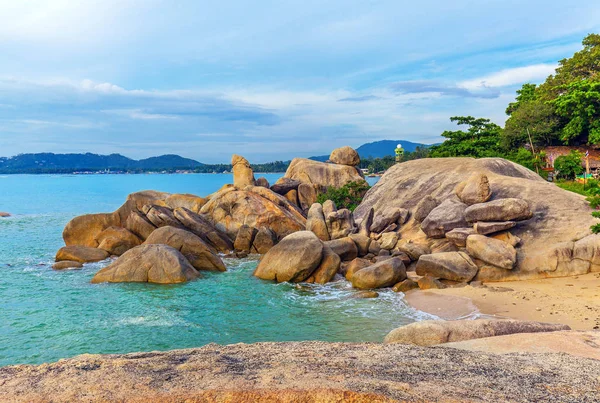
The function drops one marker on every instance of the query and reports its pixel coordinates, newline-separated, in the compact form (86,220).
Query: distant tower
(399,152)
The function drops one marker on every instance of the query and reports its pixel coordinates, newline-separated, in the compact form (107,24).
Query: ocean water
(46,315)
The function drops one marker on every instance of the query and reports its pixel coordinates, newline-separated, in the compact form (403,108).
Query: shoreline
(573,301)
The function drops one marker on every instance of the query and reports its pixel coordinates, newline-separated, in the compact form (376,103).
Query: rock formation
(321,174)
(242,172)
(345,156)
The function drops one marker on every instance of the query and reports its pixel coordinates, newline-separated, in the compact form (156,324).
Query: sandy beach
(573,301)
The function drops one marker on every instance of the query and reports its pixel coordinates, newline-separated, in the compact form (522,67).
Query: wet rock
(379,275)
(428,282)
(81,254)
(366,294)
(405,286)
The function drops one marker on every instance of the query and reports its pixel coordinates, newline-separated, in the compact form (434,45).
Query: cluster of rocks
(166,238)
(4,215)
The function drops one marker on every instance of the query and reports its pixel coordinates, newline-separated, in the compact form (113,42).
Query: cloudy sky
(268,79)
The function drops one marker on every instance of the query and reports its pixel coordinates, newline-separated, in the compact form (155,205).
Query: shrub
(348,196)
(568,166)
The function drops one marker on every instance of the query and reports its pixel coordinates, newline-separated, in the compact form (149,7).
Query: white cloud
(504,78)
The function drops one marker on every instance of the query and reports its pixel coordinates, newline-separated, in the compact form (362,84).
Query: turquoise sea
(46,315)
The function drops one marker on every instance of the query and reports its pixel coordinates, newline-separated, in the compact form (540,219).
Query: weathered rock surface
(84,230)
(329,207)
(511,209)
(428,282)
(455,266)
(307,195)
(356,265)
(459,236)
(474,190)
(67,264)
(340,223)
(492,251)
(263,182)
(148,263)
(315,222)
(117,240)
(201,226)
(405,285)
(362,243)
(285,185)
(139,225)
(195,250)
(413,250)
(345,156)
(330,372)
(491,227)
(444,218)
(382,274)
(81,254)
(434,332)
(345,248)
(188,201)
(244,238)
(242,172)
(424,207)
(544,250)
(364,227)
(507,237)
(263,241)
(162,217)
(256,207)
(388,240)
(321,174)
(292,197)
(329,266)
(388,216)
(293,259)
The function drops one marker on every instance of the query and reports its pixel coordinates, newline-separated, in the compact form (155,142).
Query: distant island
(88,163)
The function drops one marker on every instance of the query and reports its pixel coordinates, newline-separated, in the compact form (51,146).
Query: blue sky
(266,79)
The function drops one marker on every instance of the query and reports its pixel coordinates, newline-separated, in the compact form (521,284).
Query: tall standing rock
(307,195)
(245,238)
(242,172)
(315,222)
(340,223)
(345,156)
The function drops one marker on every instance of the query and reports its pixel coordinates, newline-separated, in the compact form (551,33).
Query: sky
(270,80)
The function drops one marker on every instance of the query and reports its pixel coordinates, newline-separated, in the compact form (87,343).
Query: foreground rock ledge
(307,372)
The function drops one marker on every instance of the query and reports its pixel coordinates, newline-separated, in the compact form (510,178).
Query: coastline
(573,301)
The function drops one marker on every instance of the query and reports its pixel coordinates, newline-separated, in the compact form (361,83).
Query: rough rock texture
(362,243)
(329,207)
(428,282)
(139,225)
(388,216)
(510,209)
(345,248)
(201,226)
(315,222)
(379,275)
(308,372)
(148,263)
(356,265)
(262,181)
(388,240)
(413,250)
(364,227)
(162,217)
(188,201)
(256,207)
(321,174)
(345,156)
(546,248)
(340,223)
(485,228)
(455,266)
(507,237)
(263,241)
(244,238)
(444,218)
(195,250)
(459,236)
(84,230)
(405,285)
(492,251)
(424,207)
(67,264)
(292,197)
(307,195)
(242,172)
(285,185)
(474,190)
(434,332)
(81,254)
(293,259)
(117,240)
(329,266)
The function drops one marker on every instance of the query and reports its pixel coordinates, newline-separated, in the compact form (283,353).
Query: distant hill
(49,162)
(379,149)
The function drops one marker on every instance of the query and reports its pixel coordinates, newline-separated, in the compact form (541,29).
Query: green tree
(481,139)
(538,118)
(524,95)
(579,105)
(569,166)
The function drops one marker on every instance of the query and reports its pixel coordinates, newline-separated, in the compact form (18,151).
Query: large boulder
(195,250)
(455,266)
(383,219)
(321,174)
(285,185)
(138,200)
(340,223)
(262,181)
(492,251)
(263,241)
(424,207)
(245,238)
(388,240)
(201,226)
(81,254)
(546,245)
(138,224)
(161,216)
(491,227)
(117,240)
(510,209)
(345,248)
(413,250)
(67,264)
(434,332)
(148,263)
(293,259)
(188,201)
(84,230)
(474,190)
(444,218)
(315,222)
(329,266)
(307,195)
(380,275)
(459,236)
(345,156)
(242,172)
(256,207)
(356,265)
(362,243)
